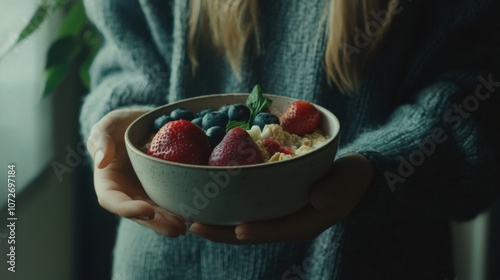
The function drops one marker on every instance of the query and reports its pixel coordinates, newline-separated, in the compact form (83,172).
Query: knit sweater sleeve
(435,155)
(429,158)
(128,70)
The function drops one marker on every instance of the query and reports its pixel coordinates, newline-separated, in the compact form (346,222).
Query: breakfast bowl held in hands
(225,192)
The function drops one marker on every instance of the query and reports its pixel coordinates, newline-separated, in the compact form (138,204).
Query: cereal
(299,145)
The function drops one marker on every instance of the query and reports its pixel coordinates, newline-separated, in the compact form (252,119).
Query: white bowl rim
(325,111)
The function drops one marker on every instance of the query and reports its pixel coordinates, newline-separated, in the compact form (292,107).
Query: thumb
(108,133)
(344,188)
(327,193)
(101,146)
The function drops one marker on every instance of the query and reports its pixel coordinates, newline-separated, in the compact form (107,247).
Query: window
(25,118)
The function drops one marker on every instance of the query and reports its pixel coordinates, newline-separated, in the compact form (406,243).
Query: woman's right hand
(117,187)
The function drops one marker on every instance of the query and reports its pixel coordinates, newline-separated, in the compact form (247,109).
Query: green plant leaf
(84,71)
(74,21)
(92,38)
(55,76)
(46,9)
(64,50)
(42,12)
(92,44)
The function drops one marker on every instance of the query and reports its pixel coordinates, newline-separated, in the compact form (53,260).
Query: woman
(412,83)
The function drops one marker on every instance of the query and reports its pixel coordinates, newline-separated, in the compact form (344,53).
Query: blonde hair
(231,25)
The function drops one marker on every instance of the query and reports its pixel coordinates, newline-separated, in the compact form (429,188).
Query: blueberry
(203,112)
(182,114)
(224,109)
(197,121)
(215,135)
(161,121)
(265,118)
(238,112)
(214,119)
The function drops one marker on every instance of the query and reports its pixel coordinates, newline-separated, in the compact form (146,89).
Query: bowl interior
(140,131)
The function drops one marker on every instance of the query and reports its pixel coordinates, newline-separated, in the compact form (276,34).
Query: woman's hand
(331,200)
(117,187)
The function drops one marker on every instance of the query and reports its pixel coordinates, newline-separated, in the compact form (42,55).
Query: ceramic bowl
(229,195)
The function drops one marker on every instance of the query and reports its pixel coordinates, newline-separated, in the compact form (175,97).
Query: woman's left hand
(331,200)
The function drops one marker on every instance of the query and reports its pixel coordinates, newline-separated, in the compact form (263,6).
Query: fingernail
(98,157)
(245,237)
(194,229)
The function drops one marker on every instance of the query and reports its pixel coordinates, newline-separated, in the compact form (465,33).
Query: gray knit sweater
(426,115)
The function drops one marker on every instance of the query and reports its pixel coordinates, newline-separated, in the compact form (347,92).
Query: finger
(123,196)
(136,205)
(175,220)
(325,196)
(101,147)
(220,234)
(344,189)
(121,204)
(165,223)
(108,133)
(303,225)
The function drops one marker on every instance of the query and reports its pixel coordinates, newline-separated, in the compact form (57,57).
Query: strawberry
(301,117)
(272,146)
(287,150)
(236,148)
(180,141)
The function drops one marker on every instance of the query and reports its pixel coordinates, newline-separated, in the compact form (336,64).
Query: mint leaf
(253,98)
(256,102)
(263,105)
(242,124)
